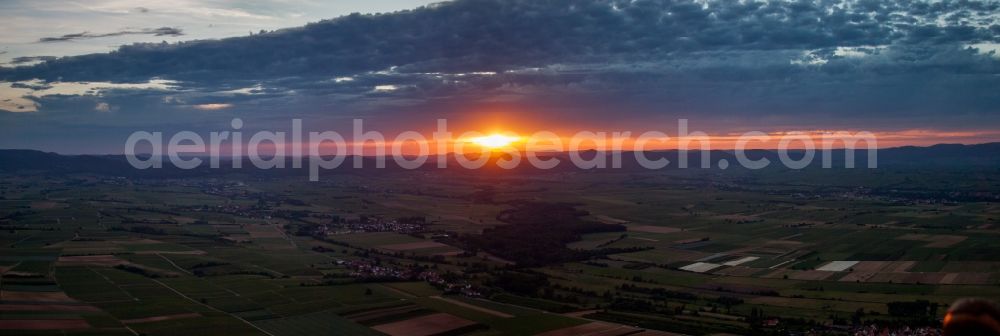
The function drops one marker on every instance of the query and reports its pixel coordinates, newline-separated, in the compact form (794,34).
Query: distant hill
(943,156)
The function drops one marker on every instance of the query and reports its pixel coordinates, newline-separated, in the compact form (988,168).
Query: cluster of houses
(378,225)
(368,270)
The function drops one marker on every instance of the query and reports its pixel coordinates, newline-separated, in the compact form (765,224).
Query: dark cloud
(30,59)
(497,35)
(804,63)
(162,31)
(20,85)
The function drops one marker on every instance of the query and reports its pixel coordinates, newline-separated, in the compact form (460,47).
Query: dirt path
(282,233)
(175,265)
(473,307)
(397,291)
(22,239)
(113,284)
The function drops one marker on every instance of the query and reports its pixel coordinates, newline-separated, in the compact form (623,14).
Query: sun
(494,141)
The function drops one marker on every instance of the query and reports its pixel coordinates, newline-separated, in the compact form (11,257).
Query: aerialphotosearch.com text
(411,150)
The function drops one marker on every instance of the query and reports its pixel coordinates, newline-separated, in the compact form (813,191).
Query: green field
(208,255)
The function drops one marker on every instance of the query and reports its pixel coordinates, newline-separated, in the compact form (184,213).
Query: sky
(108,24)
(79,77)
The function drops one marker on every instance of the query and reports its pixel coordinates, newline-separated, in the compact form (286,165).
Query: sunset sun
(494,141)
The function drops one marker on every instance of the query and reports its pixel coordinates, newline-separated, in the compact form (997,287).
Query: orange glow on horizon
(504,141)
(494,141)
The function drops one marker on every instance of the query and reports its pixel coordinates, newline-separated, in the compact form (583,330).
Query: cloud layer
(162,31)
(898,64)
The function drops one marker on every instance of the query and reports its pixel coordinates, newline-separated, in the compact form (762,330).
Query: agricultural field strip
(700,267)
(433,324)
(161,318)
(740,261)
(705,291)
(837,266)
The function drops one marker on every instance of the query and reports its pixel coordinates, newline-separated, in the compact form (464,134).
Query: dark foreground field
(495,253)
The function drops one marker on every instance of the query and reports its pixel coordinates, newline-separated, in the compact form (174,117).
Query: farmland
(487,254)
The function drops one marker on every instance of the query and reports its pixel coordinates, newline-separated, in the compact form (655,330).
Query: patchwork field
(668,254)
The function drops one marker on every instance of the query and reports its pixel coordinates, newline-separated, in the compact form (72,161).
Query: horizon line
(521,151)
